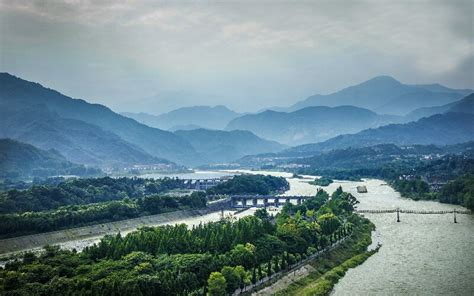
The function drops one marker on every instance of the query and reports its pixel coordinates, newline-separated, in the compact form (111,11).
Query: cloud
(245,54)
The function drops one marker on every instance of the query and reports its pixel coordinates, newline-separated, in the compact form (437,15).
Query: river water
(421,255)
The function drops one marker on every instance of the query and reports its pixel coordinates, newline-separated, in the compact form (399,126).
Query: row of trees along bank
(80,202)
(214,258)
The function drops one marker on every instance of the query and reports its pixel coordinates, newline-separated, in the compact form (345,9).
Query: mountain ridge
(17,92)
(439,129)
(22,160)
(209,117)
(216,146)
(382,93)
(310,124)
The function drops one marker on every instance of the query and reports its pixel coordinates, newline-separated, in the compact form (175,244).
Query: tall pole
(398,215)
(454,212)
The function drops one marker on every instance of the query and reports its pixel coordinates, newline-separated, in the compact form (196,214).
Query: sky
(150,56)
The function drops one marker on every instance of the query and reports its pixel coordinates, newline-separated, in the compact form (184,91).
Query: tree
(262,214)
(232,278)
(216,284)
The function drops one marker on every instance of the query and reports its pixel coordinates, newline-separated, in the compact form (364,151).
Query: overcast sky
(144,56)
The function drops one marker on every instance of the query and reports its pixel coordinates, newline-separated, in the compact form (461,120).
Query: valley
(84,182)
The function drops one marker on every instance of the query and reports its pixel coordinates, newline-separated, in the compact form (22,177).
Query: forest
(70,203)
(80,191)
(17,224)
(459,191)
(251,184)
(214,258)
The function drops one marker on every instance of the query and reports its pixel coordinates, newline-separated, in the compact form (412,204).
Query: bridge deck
(414,211)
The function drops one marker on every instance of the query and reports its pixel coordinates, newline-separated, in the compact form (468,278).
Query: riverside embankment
(78,238)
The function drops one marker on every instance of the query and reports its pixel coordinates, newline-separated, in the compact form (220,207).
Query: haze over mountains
(94,135)
(311,124)
(440,129)
(207,117)
(386,95)
(226,146)
(19,159)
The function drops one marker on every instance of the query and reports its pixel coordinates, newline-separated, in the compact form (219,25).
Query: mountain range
(386,95)
(440,129)
(98,123)
(465,105)
(92,134)
(193,117)
(214,146)
(311,124)
(23,160)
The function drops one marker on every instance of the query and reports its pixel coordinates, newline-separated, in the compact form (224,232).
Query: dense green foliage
(459,191)
(80,192)
(323,181)
(79,215)
(251,184)
(177,260)
(350,253)
(415,189)
(62,204)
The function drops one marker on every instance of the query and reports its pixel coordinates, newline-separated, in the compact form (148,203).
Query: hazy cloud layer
(148,56)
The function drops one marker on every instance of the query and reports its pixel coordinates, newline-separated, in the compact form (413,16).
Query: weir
(261,201)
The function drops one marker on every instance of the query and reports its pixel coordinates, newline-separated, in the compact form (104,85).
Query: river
(421,255)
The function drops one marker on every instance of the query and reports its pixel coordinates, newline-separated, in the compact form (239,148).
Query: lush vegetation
(459,191)
(321,284)
(214,258)
(323,181)
(414,188)
(251,184)
(80,215)
(81,192)
(62,204)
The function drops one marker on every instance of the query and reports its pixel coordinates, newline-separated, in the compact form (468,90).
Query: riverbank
(79,238)
(320,275)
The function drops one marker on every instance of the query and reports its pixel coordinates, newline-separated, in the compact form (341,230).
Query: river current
(421,255)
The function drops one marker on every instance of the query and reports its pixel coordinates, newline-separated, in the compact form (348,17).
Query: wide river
(421,255)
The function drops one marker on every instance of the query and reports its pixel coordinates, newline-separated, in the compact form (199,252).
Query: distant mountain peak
(383,78)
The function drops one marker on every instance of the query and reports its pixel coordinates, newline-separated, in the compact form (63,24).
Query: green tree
(216,284)
(232,278)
